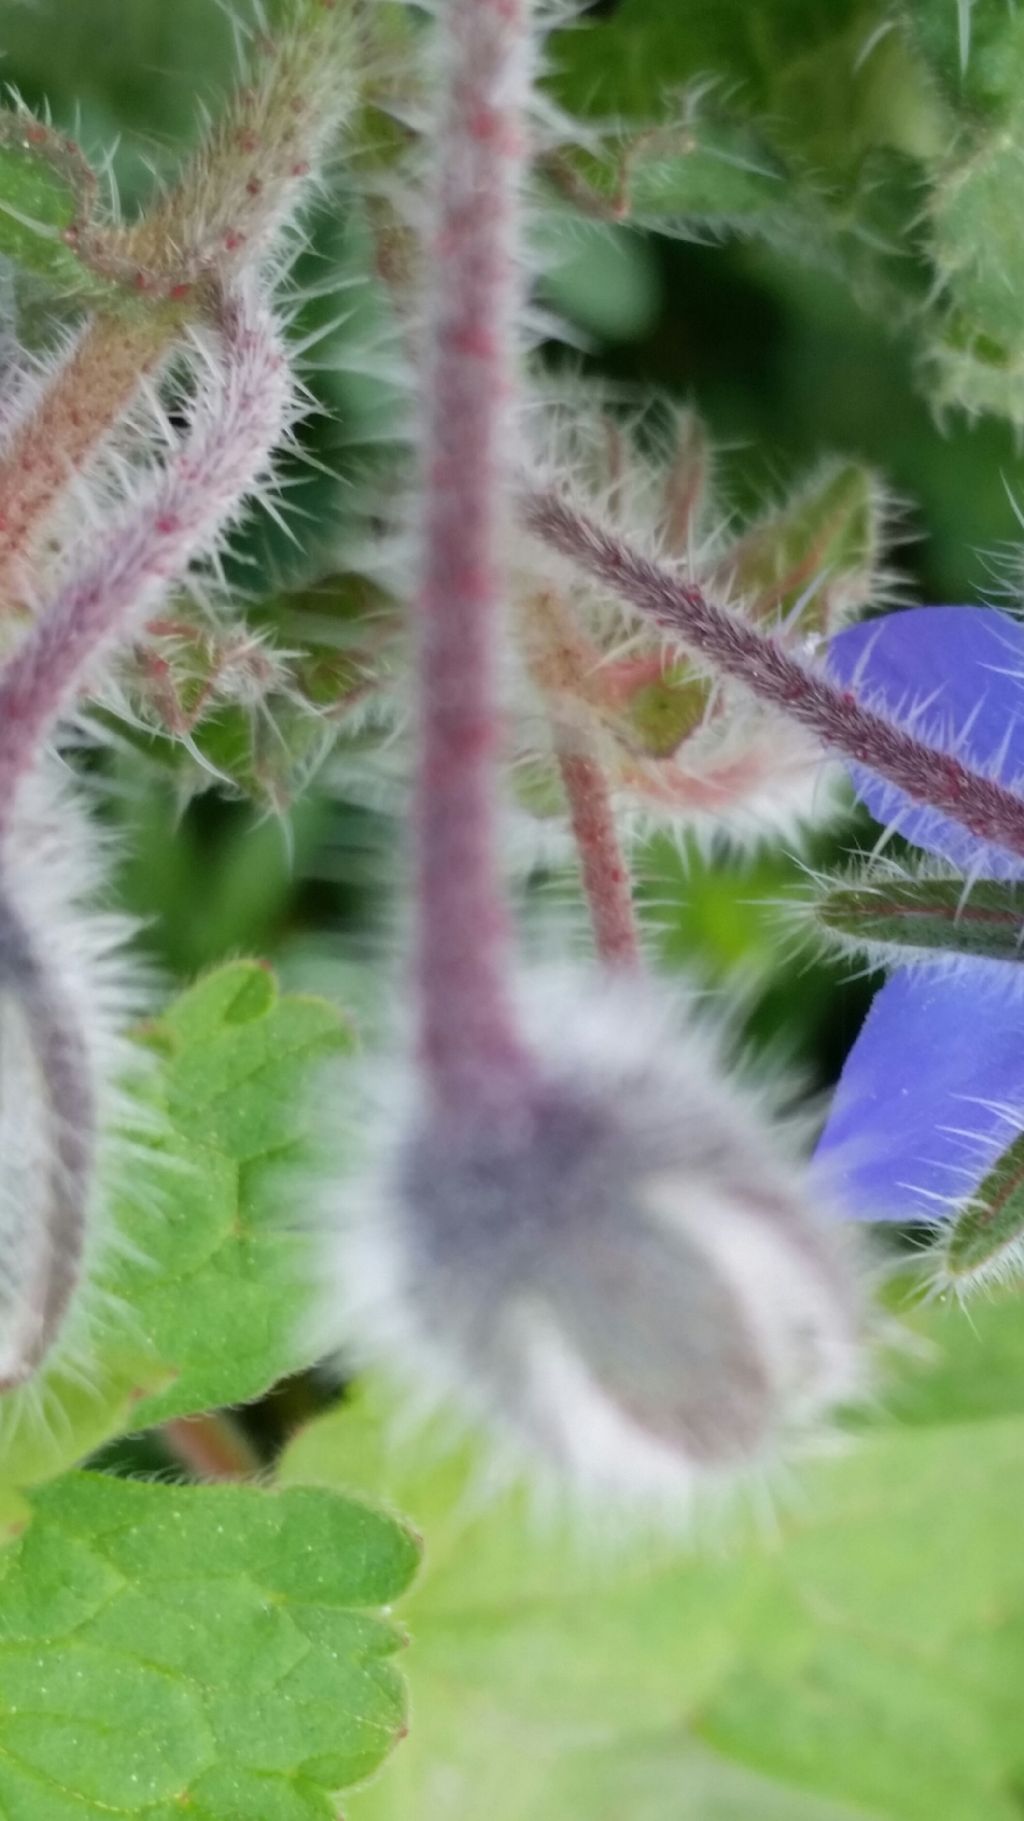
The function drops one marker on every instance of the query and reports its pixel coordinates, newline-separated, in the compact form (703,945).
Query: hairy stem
(56,1223)
(774,674)
(606,878)
(91,390)
(468,1039)
(259,157)
(239,413)
(568,674)
(245,181)
(212,1447)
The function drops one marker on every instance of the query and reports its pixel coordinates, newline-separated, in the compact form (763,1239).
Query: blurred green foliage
(794,338)
(846,1651)
(803,220)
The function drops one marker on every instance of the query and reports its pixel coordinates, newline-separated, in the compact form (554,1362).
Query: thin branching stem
(778,676)
(603,865)
(211,1447)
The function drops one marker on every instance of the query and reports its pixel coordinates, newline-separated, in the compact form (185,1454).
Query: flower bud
(616,1268)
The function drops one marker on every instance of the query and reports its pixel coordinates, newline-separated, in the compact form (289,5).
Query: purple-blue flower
(933,1089)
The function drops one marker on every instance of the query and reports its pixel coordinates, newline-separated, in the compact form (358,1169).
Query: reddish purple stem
(240,413)
(468,1038)
(775,674)
(606,878)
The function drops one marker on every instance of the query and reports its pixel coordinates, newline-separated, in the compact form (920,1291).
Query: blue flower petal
(931,1095)
(963,669)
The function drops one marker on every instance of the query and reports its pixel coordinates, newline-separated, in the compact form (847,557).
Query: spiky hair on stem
(52,1028)
(240,413)
(69,989)
(868,732)
(681,748)
(226,215)
(618,1273)
(261,155)
(913,912)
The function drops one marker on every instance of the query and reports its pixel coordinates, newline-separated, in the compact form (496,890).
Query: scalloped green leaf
(202,1287)
(217,1652)
(860,1657)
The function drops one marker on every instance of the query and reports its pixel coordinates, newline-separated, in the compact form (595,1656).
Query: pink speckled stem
(88,392)
(774,674)
(240,412)
(469,1044)
(606,877)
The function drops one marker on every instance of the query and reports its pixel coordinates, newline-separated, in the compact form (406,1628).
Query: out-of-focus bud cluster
(240,704)
(679,747)
(676,744)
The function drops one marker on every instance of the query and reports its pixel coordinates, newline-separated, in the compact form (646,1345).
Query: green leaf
(974,49)
(659,716)
(698,170)
(818,553)
(38,202)
(974,355)
(210,703)
(767,120)
(223,1288)
(798,65)
(976,244)
(929,915)
(973,371)
(858,1660)
(205,1651)
(47,199)
(597,275)
(205,1281)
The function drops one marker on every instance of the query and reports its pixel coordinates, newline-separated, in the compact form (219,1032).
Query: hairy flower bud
(616,1269)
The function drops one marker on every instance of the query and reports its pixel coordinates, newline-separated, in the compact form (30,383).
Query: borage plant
(572,1219)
